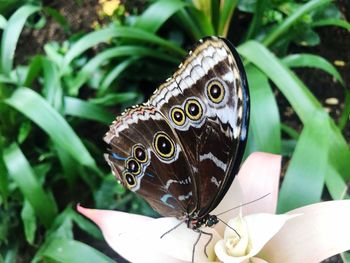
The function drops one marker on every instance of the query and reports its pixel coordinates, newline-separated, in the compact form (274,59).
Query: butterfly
(182,148)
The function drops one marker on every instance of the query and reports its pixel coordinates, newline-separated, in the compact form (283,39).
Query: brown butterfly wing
(146,156)
(214,139)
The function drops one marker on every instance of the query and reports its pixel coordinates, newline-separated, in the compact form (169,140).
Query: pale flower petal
(137,238)
(258,176)
(235,245)
(261,228)
(321,232)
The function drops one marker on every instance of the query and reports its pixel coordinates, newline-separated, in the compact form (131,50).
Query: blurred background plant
(68,67)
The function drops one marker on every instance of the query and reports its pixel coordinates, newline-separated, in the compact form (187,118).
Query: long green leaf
(65,250)
(32,105)
(94,63)
(292,19)
(257,20)
(158,13)
(304,180)
(29,221)
(86,110)
(69,166)
(34,69)
(308,60)
(226,11)
(301,99)
(3,22)
(332,22)
(7,80)
(112,99)
(114,74)
(105,35)
(202,21)
(264,118)
(336,185)
(23,175)
(344,118)
(4,180)
(340,152)
(188,24)
(52,85)
(11,34)
(313,61)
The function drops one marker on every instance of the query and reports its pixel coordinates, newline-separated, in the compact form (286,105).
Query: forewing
(212,77)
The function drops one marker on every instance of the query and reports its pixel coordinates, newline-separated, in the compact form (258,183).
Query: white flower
(307,234)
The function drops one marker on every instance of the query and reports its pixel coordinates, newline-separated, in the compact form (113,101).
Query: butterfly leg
(173,228)
(195,244)
(210,239)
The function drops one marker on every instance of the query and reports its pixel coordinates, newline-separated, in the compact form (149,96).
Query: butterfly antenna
(243,204)
(239,236)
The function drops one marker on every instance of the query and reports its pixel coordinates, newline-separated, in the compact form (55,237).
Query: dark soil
(335,48)
(80,16)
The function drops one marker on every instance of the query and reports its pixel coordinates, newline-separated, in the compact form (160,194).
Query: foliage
(54,111)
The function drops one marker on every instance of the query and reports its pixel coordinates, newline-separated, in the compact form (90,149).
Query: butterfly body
(181,149)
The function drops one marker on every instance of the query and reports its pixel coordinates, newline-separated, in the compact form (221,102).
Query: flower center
(237,245)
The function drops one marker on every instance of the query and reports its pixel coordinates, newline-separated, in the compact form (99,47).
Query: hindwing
(148,158)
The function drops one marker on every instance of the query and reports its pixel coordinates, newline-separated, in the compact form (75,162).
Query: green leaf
(304,180)
(264,117)
(308,60)
(345,257)
(90,67)
(307,37)
(112,99)
(11,34)
(157,14)
(248,6)
(312,61)
(292,19)
(4,181)
(340,153)
(3,22)
(301,99)
(343,119)
(21,172)
(114,74)
(332,22)
(29,221)
(64,250)
(34,70)
(336,185)
(188,24)
(7,80)
(69,165)
(11,254)
(203,22)
(87,110)
(30,104)
(226,12)
(52,85)
(24,131)
(105,35)
(290,131)
(255,25)
(86,225)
